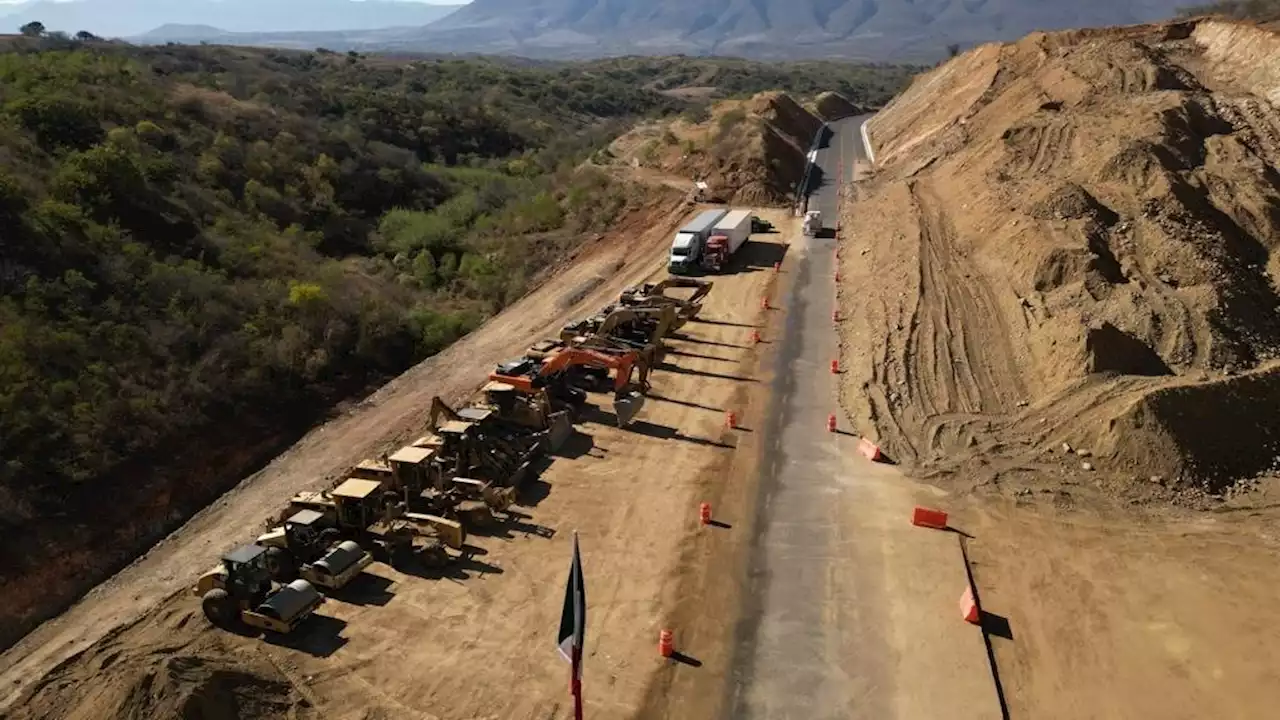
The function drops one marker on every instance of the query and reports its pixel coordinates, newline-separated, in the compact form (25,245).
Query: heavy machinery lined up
(415,505)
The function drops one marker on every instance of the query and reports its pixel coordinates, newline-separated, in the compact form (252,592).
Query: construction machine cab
(247,575)
(412,468)
(240,589)
(356,502)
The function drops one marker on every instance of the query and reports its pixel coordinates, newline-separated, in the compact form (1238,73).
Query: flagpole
(579,623)
(575,685)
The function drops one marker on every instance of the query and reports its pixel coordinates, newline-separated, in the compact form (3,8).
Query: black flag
(573,618)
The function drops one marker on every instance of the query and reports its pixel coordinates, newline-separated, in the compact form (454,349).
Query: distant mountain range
(879,30)
(871,29)
(130,18)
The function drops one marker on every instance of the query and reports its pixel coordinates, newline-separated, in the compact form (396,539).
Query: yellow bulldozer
(372,513)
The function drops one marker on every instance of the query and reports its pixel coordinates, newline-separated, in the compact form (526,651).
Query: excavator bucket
(560,430)
(627,406)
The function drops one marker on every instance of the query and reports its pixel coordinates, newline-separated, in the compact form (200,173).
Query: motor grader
(373,514)
(304,545)
(239,590)
(529,374)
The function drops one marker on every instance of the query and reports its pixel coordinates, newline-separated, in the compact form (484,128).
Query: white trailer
(729,234)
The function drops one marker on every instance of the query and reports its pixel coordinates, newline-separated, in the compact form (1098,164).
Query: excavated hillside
(1073,242)
(749,152)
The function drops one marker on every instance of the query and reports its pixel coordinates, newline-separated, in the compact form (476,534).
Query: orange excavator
(556,372)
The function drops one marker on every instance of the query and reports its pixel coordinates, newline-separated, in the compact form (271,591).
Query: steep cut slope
(748,152)
(874,29)
(1073,239)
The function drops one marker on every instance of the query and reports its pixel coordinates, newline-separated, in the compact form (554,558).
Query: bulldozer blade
(561,429)
(450,532)
(626,407)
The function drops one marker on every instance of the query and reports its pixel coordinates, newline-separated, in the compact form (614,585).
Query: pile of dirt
(1072,240)
(749,152)
(831,106)
(173,666)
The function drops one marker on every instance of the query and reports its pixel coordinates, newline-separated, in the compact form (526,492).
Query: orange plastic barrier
(755,336)
(831,422)
(704,513)
(925,517)
(730,420)
(764,303)
(665,643)
(835,366)
(835,316)
(869,450)
(968,608)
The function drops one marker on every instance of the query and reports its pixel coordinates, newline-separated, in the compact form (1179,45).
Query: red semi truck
(729,234)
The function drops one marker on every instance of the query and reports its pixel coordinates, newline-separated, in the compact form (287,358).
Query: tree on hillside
(86,36)
(32,29)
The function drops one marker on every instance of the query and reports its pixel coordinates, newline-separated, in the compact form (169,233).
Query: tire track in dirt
(955,364)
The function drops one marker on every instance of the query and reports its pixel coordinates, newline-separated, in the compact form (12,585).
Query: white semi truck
(689,242)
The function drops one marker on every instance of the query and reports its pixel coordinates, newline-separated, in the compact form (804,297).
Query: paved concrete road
(851,612)
(837,155)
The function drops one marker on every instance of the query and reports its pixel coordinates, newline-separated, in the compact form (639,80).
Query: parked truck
(812,223)
(689,242)
(727,236)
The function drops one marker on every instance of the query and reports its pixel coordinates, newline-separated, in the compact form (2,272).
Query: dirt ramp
(1204,434)
(1073,238)
(171,667)
(832,106)
(749,152)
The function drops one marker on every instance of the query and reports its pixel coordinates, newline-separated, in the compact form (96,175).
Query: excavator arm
(627,401)
(439,409)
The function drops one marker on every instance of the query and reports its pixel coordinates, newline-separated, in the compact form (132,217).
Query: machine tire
(282,565)
(400,556)
(219,608)
(328,538)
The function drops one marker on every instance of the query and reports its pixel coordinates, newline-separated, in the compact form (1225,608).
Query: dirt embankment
(749,152)
(1073,242)
(832,106)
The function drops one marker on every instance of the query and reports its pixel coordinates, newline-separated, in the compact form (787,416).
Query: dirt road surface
(1116,615)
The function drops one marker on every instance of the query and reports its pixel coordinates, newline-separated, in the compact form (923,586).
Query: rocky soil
(1074,244)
